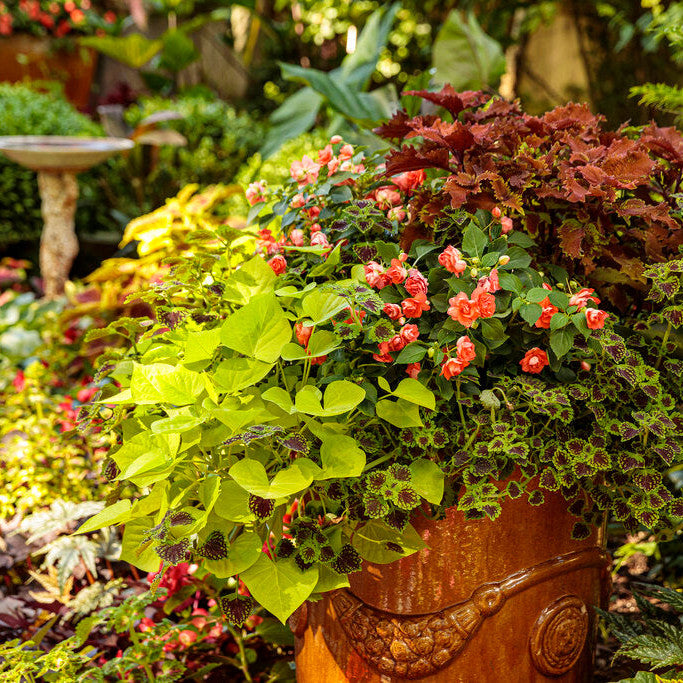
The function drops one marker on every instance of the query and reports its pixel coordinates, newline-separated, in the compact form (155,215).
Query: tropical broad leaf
(134,50)
(295,116)
(464,56)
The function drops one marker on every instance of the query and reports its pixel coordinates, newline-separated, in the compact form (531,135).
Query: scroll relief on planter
(414,646)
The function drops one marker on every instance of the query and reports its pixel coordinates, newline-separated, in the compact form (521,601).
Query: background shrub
(25,111)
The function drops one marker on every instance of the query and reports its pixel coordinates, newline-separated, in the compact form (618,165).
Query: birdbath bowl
(57,159)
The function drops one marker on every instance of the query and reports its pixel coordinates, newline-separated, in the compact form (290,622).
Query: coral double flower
(465,351)
(466,311)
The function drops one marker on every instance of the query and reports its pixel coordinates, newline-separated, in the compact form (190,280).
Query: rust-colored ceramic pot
(27,57)
(505,600)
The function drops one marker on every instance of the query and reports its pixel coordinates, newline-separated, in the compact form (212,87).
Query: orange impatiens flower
(278,264)
(413,307)
(534,360)
(451,259)
(451,367)
(463,309)
(595,318)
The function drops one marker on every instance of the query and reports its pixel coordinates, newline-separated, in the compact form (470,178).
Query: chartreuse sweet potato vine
(283,420)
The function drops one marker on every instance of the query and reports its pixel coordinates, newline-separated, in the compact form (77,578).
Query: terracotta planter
(26,57)
(509,600)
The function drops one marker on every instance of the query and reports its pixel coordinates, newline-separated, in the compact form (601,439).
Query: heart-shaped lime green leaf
(279,397)
(320,306)
(427,479)
(340,397)
(111,515)
(415,392)
(279,586)
(233,503)
(341,457)
(252,477)
(163,383)
(399,413)
(238,373)
(258,330)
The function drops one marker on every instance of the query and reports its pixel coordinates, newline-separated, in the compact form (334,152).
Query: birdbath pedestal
(57,159)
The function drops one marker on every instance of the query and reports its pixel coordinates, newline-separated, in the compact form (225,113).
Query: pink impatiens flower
(304,171)
(256,192)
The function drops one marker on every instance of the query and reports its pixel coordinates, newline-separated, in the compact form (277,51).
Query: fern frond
(666,98)
(657,651)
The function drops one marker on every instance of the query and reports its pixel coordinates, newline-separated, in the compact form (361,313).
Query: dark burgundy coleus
(601,203)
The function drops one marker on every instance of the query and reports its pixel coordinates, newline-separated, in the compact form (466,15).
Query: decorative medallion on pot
(559,635)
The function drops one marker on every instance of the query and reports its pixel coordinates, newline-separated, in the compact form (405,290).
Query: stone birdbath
(57,159)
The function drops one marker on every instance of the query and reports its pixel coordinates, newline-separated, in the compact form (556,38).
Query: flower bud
(430,352)
(476,261)
(496,212)
(504,259)
(474,272)
(585,366)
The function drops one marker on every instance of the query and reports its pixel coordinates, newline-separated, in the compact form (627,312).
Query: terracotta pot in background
(27,57)
(505,600)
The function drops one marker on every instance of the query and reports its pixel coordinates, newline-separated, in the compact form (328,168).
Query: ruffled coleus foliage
(608,199)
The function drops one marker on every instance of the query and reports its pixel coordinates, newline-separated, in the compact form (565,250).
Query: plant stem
(237,634)
(665,339)
(457,394)
(136,642)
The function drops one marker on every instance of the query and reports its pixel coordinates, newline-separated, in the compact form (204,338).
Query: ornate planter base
(488,601)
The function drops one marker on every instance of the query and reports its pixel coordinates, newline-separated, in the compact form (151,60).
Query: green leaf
(259,329)
(295,116)
(279,586)
(252,278)
(279,397)
(135,550)
(518,259)
(329,580)
(343,98)
(178,51)
(427,479)
(243,553)
(134,50)
(341,457)
(510,282)
(321,306)
(201,345)
(474,241)
(233,503)
(464,56)
(559,299)
(559,320)
(235,374)
(492,330)
(561,341)
(536,295)
(162,383)
(340,397)
(399,413)
(415,392)
(413,353)
(320,344)
(372,538)
(177,424)
(252,477)
(357,68)
(530,313)
(111,515)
